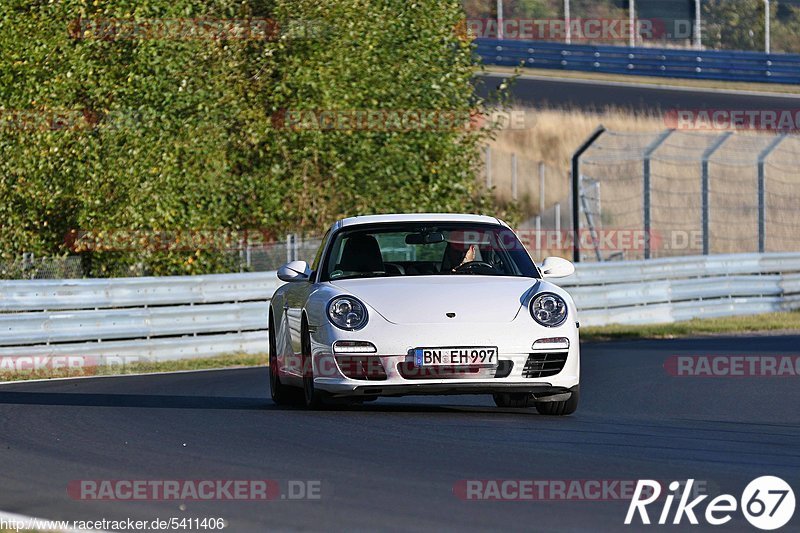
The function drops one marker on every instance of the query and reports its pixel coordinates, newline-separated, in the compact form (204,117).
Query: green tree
(146,133)
(386,55)
(786,31)
(735,24)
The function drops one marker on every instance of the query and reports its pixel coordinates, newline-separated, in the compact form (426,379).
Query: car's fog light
(354,347)
(551,343)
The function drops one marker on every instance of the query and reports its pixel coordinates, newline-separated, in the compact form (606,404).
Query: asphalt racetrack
(393,464)
(594,95)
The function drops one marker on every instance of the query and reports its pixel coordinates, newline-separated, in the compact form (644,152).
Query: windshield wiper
(361,275)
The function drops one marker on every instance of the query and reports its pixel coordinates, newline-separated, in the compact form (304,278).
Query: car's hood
(428,299)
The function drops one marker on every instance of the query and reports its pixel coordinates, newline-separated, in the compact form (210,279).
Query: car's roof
(419,217)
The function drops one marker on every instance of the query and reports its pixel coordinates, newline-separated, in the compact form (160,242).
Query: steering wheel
(471,265)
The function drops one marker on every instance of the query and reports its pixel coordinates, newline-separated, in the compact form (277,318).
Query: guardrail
(156,318)
(682,288)
(664,62)
(196,316)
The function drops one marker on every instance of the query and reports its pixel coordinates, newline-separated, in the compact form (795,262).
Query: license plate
(455,356)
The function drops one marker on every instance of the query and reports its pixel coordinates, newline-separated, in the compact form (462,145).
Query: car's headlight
(347,313)
(549,309)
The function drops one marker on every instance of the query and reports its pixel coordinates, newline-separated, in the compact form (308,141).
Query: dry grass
(553,135)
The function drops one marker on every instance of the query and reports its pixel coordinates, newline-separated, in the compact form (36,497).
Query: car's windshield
(417,249)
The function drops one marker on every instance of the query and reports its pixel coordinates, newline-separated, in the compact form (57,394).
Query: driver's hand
(469,257)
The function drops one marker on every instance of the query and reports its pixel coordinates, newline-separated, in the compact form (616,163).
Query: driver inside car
(457,255)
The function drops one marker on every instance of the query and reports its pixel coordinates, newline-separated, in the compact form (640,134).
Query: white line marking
(608,83)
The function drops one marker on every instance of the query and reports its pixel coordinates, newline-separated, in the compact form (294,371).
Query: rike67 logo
(767,503)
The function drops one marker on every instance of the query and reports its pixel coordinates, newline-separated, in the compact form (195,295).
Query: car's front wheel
(562,408)
(312,396)
(280,393)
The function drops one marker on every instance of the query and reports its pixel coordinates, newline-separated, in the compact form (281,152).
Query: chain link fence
(27,266)
(678,193)
(640,196)
(536,189)
(262,257)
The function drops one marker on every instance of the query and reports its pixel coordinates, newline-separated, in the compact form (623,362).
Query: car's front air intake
(541,365)
(361,367)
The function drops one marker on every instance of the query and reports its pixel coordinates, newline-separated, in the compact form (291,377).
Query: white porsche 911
(398,305)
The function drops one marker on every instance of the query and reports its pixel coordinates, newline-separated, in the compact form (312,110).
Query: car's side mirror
(557,267)
(294,271)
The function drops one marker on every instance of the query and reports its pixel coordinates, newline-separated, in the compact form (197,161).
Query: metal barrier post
(706,156)
(762,203)
(646,185)
(576,173)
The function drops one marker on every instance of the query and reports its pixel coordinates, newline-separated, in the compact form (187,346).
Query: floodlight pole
(632,21)
(568,37)
(766,26)
(698,35)
(500,19)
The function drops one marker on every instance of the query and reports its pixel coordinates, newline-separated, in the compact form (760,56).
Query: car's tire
(281,394)
(312,397)
(566,407)
(512,399)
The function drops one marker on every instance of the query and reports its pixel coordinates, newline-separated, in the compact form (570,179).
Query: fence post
(576,173)
(289,247)
(542,184)
(488,167)
(242,254)
(648,152)
(558,218)
(706,156)
(762,202)
(514,176)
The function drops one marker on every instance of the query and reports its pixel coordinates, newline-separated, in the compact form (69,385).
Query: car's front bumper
(398,376)
(395,344)
(545,391)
